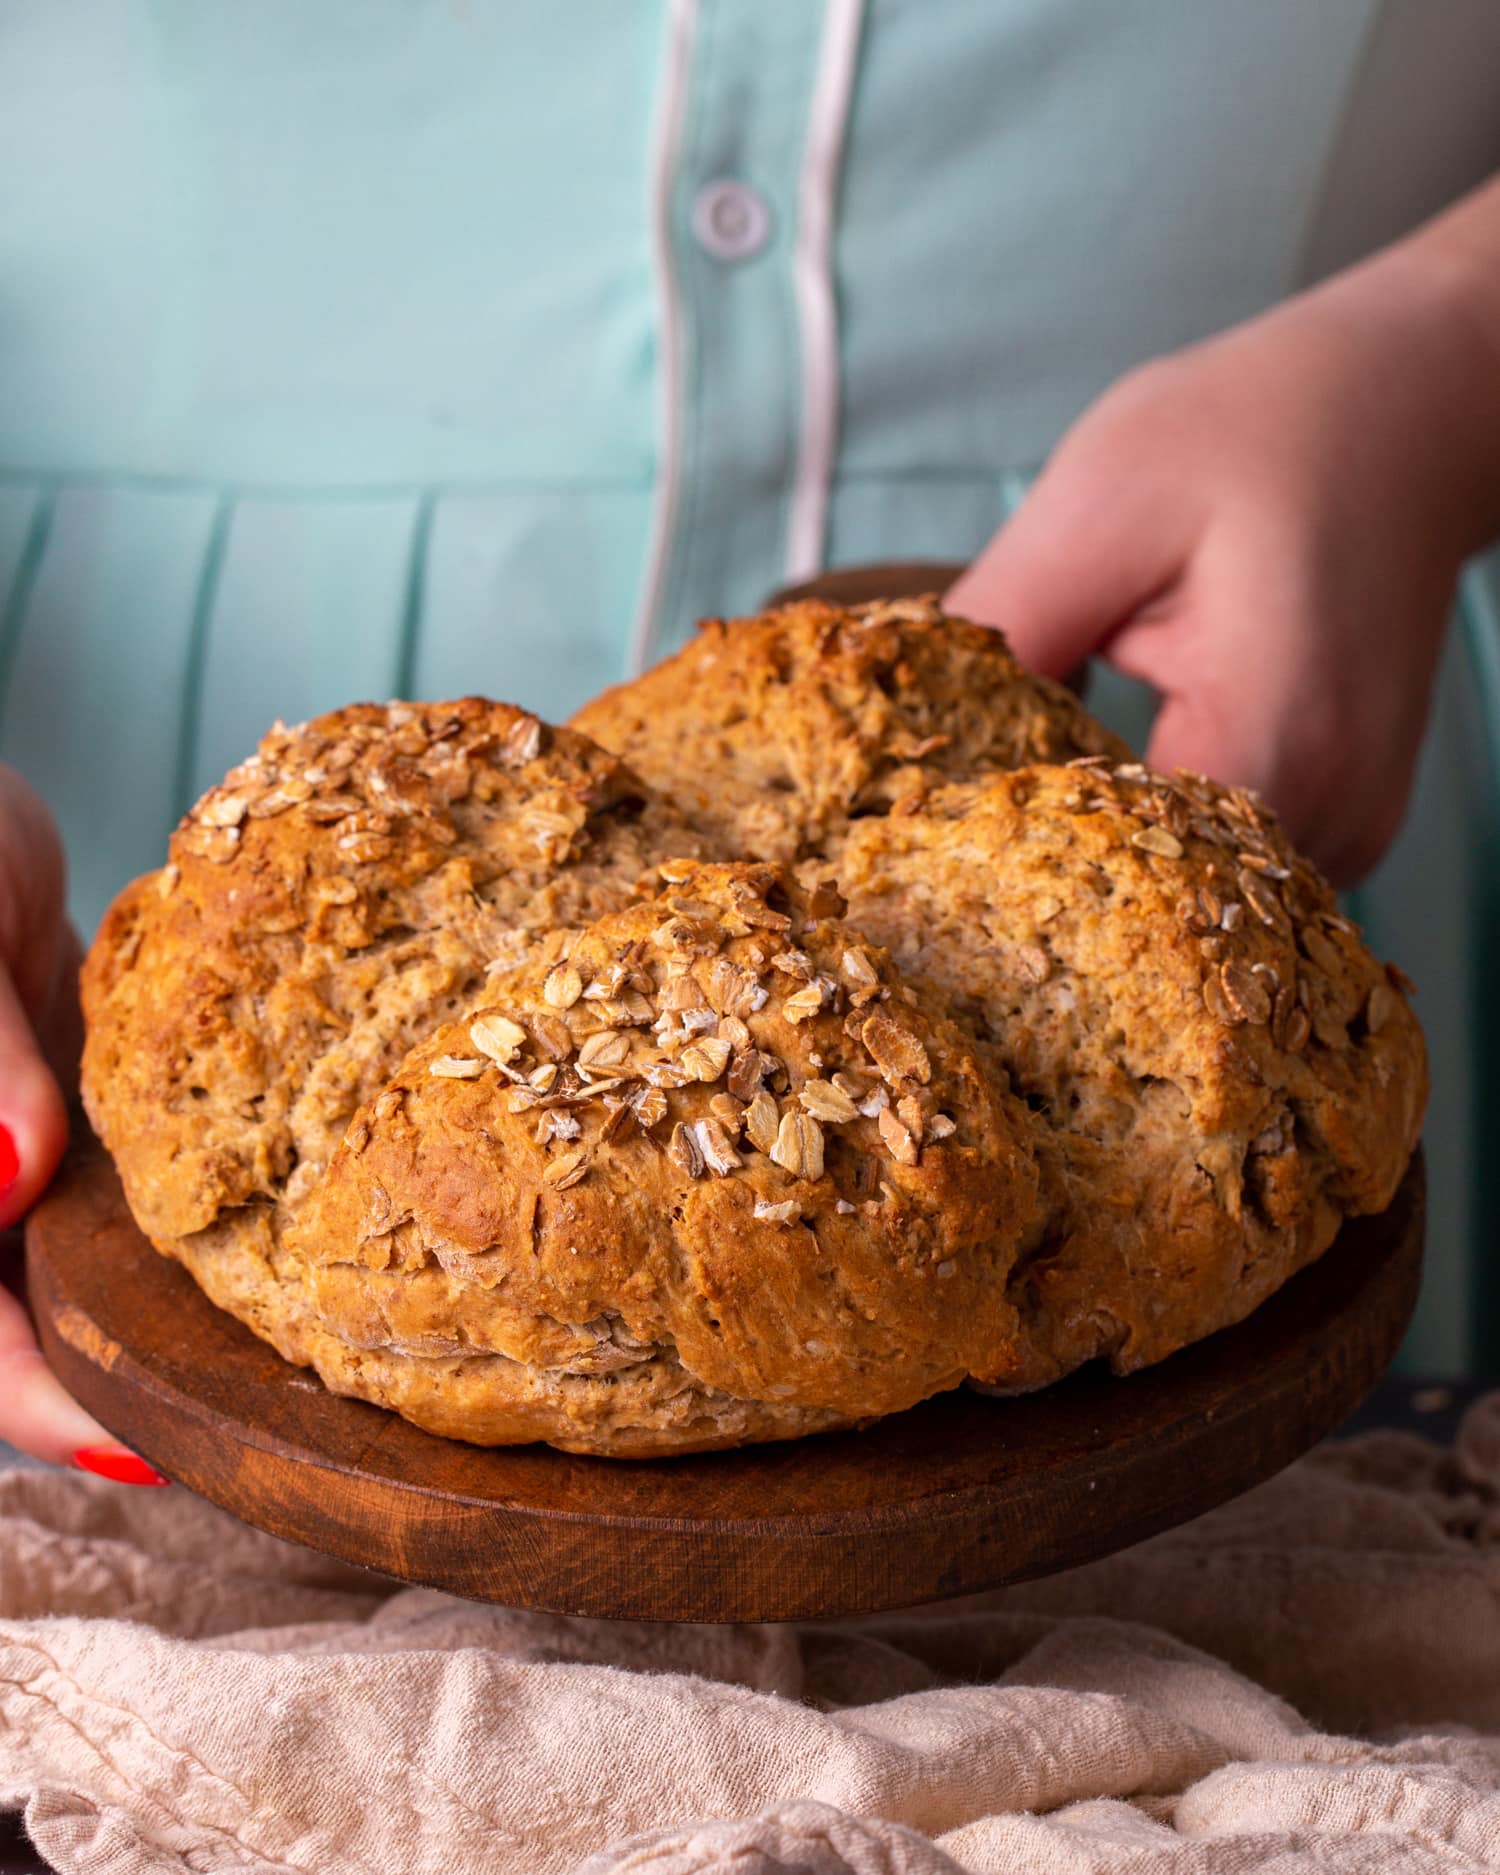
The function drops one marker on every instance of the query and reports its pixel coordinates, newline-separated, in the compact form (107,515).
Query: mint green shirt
(365,347)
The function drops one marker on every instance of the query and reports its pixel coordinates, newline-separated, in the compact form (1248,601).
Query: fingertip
(1345,829)
(109,1459)
(987,594)
(1348,855)
(1065,573)
(1001,589)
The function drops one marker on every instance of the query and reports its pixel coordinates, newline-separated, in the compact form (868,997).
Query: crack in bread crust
(1222,1070)
(880,1026)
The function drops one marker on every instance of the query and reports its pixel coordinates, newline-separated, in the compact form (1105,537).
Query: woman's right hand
(40,1039)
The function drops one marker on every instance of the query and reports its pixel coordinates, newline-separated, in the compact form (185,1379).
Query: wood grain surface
(961,1493)
(858,585)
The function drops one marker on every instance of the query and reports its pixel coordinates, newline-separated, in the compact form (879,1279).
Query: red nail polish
(113,1461)
(10,1160)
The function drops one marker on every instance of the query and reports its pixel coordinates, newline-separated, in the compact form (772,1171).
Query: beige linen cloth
(1306,1679)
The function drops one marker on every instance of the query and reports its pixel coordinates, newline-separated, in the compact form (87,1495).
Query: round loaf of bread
(1222,1071)
(881,1026)
(773,733)
(706,1170)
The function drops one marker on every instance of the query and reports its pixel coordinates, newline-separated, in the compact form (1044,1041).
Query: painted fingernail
(113,1461)
(10,1160)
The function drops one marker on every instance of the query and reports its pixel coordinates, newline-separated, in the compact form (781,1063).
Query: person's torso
(336,350)
(433,346)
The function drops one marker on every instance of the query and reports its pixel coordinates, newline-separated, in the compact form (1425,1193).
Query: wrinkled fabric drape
(1308,1676)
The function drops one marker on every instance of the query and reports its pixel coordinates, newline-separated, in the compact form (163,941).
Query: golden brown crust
(459,1063)
(343,889)
(1224,1070)
(446,1385)
(567,1172)
(772,733)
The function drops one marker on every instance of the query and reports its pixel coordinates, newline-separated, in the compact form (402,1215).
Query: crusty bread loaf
(517,1089)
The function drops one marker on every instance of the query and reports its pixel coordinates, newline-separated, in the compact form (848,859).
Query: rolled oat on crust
(773,733)
(345,889)
(712,1140)
(881,1026)
(338,895)
(1221,1069)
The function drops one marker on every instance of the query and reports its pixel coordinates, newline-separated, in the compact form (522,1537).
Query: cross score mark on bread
(873,1025)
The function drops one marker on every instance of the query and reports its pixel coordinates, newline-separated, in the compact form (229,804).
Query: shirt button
(730,220)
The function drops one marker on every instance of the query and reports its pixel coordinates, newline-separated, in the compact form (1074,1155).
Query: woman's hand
(39,1044)
(1268,528)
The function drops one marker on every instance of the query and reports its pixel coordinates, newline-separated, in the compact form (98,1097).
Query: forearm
(1436,296)
(1267,529)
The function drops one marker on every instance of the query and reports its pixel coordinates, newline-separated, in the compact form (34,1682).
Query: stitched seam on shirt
(1318,207)
(190,705)
(416,592)
(793,385)
(13,619)
(664,156)
(801,363)
(681,550)
(254,490)
(434,492)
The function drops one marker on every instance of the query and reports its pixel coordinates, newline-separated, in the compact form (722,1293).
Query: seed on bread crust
(445,1052)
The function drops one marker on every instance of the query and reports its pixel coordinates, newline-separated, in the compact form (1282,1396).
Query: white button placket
(743,123)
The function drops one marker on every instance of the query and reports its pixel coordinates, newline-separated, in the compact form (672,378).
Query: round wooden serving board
(961,1493)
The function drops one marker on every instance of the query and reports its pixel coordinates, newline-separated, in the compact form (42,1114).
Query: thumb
(36,1413)
(33,1116)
